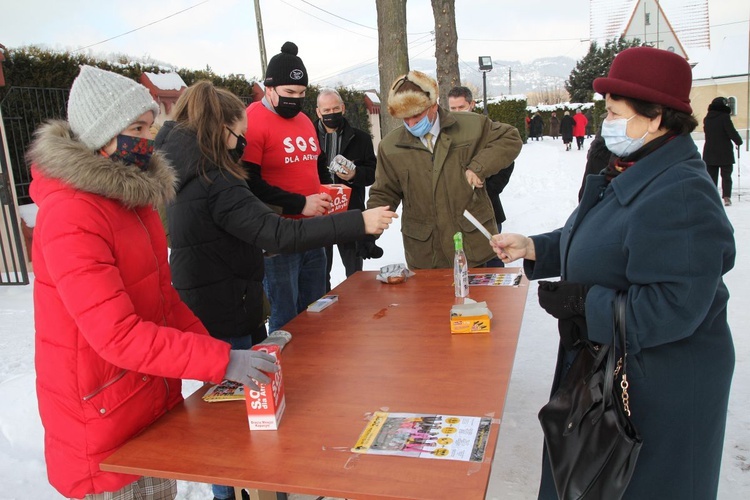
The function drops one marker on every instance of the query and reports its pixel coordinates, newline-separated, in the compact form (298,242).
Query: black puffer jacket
(720,133)
(219,230)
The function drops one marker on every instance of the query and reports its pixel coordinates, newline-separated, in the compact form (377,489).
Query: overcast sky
(333,35)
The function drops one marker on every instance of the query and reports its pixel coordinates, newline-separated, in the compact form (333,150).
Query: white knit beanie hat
(102,104)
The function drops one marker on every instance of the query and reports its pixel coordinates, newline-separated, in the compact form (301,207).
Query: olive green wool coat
(434,190)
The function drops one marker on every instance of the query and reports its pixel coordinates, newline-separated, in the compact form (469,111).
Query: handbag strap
(619,333)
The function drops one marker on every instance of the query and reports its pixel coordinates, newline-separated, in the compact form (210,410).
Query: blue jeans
(293,282)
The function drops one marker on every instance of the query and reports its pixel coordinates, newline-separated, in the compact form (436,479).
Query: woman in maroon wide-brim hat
(653,227)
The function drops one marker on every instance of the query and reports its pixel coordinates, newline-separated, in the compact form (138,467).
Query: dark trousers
(348,254)
(579,142)
(726,178)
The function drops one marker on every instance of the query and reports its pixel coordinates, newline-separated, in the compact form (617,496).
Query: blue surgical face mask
(420,128)
(614,133)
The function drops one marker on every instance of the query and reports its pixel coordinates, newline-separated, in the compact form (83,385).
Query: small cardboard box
(340,194)
(470,324)
(470,318)
(266,406)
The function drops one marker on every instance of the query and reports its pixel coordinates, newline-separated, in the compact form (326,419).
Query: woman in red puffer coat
(113,339)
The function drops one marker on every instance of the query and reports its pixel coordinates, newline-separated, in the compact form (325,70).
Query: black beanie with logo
(286,68)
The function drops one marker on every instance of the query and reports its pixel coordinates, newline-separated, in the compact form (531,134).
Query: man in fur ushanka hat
(436,165)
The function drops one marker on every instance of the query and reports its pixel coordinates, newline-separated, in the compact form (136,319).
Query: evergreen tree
(595,64)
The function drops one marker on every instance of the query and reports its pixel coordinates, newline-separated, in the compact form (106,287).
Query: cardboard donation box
(470,318)
(266,406)
(340,194)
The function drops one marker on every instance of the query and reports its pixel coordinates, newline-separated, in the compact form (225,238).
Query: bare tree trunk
(446,47)
(393,54)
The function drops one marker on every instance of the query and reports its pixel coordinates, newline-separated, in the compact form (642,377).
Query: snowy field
(541,194)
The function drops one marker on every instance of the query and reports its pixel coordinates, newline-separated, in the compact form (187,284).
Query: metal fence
(13,270)
(24,109)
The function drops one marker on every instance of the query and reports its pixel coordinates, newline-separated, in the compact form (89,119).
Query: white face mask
(614,133)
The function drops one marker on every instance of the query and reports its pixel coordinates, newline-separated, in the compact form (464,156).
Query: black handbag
(591,443)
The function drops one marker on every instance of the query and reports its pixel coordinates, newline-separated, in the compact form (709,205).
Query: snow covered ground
(541,194)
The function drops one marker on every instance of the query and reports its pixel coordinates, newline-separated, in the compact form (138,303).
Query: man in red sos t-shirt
(281,157)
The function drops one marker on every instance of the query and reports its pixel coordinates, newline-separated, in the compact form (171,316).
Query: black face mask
(239,149)
(289,107)
(333,120)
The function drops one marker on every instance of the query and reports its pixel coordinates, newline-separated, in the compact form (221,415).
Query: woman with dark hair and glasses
(652,227)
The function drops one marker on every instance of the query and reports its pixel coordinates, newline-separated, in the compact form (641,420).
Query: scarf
(330,143)
(618,165)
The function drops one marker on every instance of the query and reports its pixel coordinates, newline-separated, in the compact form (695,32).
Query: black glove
(367,249)
(572,331)
(562,299)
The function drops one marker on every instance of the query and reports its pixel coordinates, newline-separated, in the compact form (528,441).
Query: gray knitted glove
(247,366)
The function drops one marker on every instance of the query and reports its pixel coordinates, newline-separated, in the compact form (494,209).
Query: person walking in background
(652,228)
(437,165)
(282,160)
(554,126)
(336,137)
(461,99)
(528,125)
(219,228)
(718,150)
(566,130)
(589,123)
(579,129)
(113,337)
(537,127)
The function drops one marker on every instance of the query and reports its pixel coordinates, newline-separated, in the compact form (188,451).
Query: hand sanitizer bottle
(460,267)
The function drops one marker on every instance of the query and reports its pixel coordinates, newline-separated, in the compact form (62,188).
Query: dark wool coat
(718,150)
(554,126)
(657,231)
(536,127)
(434,190)
(356,146)
(219,230)
(112,335)
(566,128)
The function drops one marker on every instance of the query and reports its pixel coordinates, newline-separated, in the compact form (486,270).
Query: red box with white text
(266,405)
(340,194)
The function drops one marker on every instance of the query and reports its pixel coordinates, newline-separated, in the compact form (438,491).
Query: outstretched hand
(378,219)
(510,247)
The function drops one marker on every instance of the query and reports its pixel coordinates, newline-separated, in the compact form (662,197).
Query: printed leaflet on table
(442,437)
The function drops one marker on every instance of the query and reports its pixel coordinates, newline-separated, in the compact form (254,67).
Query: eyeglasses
(404,79)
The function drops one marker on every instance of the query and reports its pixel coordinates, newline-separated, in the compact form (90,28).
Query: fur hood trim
(58,155)
(411,101)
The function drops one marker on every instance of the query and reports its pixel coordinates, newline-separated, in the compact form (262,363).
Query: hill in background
(538,75)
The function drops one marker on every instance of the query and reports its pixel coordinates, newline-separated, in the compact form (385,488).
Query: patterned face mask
(133,151)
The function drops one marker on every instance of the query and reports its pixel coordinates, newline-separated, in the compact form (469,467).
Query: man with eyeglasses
(436,165)
(338,138)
